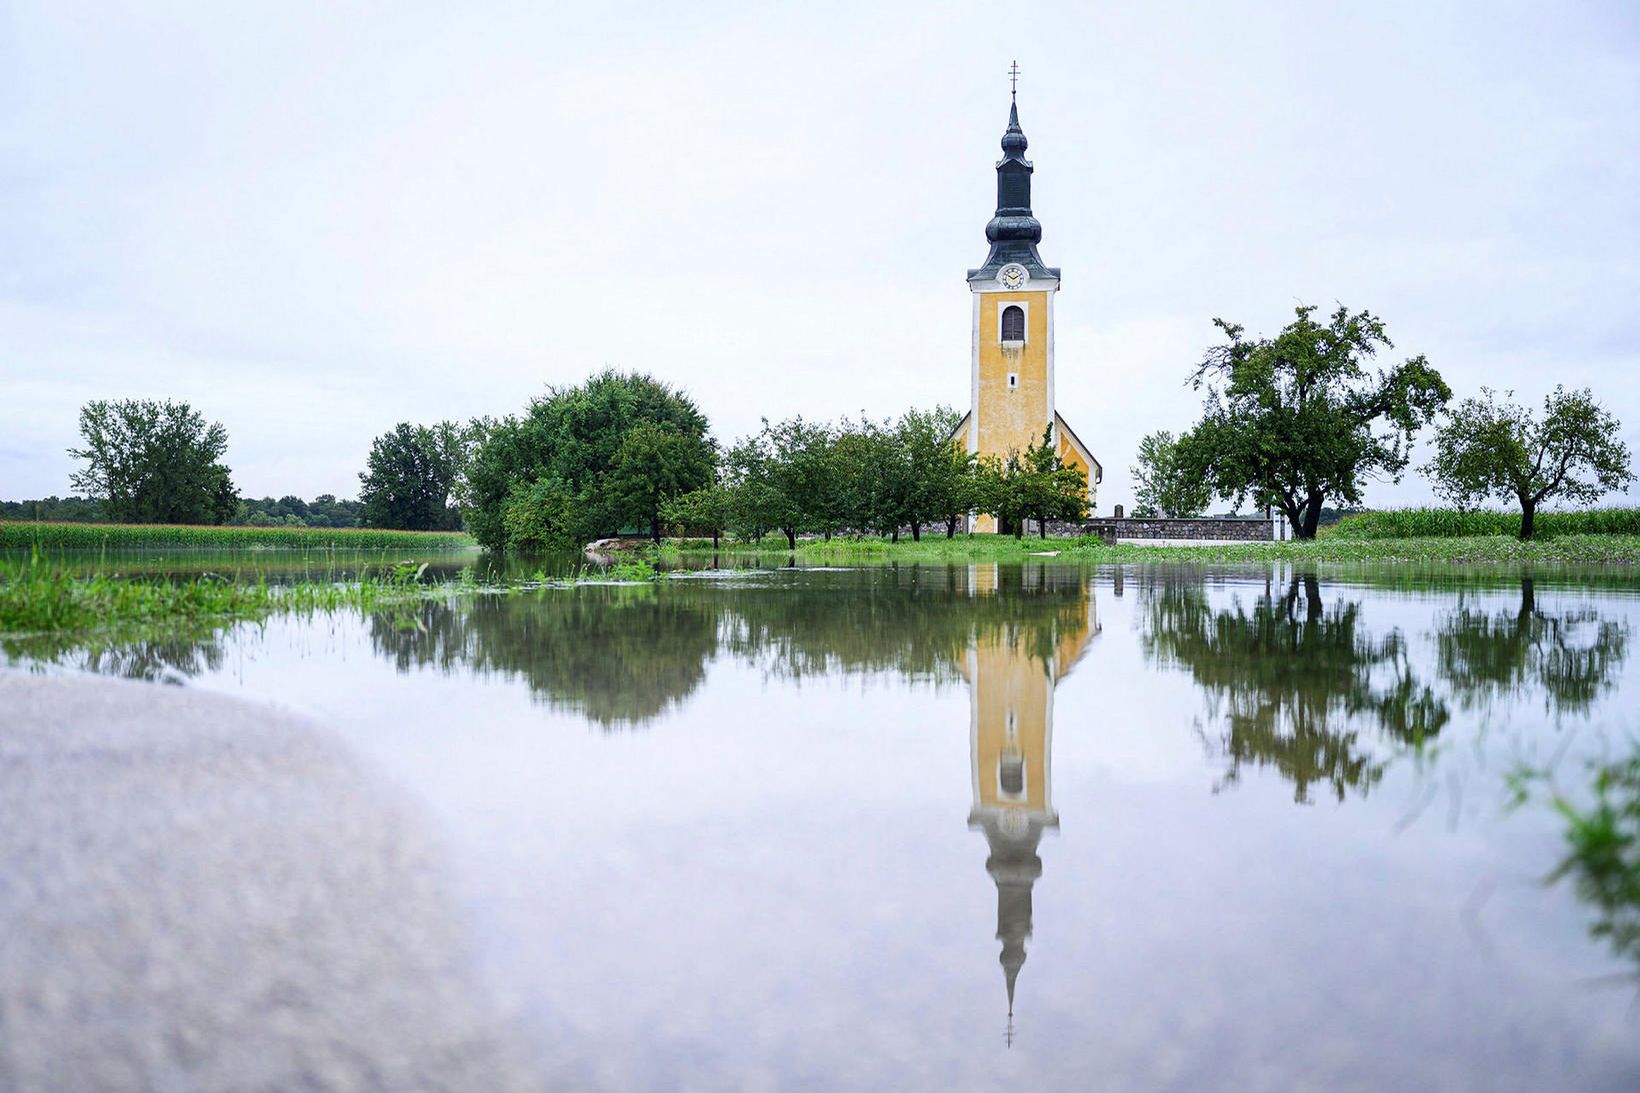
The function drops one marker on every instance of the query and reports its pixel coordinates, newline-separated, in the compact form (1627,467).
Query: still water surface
(980,826)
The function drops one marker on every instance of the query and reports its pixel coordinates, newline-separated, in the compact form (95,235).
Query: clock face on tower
(1012,276)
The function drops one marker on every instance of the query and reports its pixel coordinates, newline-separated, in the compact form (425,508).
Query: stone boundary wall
(1200,528)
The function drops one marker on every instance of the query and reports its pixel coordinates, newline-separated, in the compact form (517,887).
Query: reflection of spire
(1015,866)
(1011,672)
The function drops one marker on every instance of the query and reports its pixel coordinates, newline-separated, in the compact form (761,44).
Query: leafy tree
(151,462)
(573,436)
(411,478)
(1162,483)
(1044,487)
(871,477)
(991,489)
(784,479)
(935,468)
(1292,420)
(952,482)
(655,464)
(757,505)
(1492,448)
(709,509)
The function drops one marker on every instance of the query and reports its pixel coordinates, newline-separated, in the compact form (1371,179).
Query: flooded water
(965,827)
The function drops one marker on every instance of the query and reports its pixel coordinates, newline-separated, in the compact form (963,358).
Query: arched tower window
(1013,323)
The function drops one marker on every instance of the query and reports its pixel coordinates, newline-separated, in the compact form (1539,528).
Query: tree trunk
(1042,526)
(714,548)
(894,536)
(951,527)
(791,538)
(1312,515)
(916,532)
(1528,510)
(655,530)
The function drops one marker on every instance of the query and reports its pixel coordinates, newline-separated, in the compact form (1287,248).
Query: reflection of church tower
(1012,671)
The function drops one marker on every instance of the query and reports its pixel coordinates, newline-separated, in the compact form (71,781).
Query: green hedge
(1424,523)
(187,536)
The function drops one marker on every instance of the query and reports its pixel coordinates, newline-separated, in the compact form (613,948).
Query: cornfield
(1433,523)
(21,536)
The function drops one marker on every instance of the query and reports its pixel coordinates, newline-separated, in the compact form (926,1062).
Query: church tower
(1012,362)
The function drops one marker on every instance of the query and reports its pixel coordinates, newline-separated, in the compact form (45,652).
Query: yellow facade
(1012,399)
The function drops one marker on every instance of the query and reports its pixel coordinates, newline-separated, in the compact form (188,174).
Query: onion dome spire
(1013,231)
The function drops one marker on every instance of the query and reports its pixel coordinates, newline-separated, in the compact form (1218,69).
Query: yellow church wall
(1012,418)
(1073,458)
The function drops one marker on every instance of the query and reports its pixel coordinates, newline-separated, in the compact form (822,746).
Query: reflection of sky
(776,882)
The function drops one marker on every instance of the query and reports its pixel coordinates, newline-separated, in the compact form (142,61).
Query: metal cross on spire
(1013,80)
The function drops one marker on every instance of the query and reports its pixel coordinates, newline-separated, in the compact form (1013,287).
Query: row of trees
(625,452)
(324,511)
(797,477)
(1293,421)
(153,462)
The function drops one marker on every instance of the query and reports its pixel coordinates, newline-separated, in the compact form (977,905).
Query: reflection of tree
(1296,681)
(618,655)
(624,655)
(1571,655)
(173,656)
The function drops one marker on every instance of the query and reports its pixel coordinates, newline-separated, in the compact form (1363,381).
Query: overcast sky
(312,221)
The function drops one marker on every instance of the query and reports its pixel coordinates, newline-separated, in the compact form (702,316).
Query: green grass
(40,597)
(1566,549)
(1449,523)
(48,536)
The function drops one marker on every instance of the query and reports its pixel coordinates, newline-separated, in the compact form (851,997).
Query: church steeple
(1013,231)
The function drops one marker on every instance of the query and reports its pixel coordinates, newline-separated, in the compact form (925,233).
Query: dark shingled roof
(1013,231)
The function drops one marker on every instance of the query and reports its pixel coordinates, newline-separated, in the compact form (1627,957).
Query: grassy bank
(46,536)
(1423,523)
(37,597)
(1618,550)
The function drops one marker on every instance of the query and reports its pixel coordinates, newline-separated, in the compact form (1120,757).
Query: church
(1012,365)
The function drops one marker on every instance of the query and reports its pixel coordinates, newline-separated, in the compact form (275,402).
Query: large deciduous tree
(411,477)
(151,462)
(1497,448)
(571,443)
(1293,420)
(1162,483)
